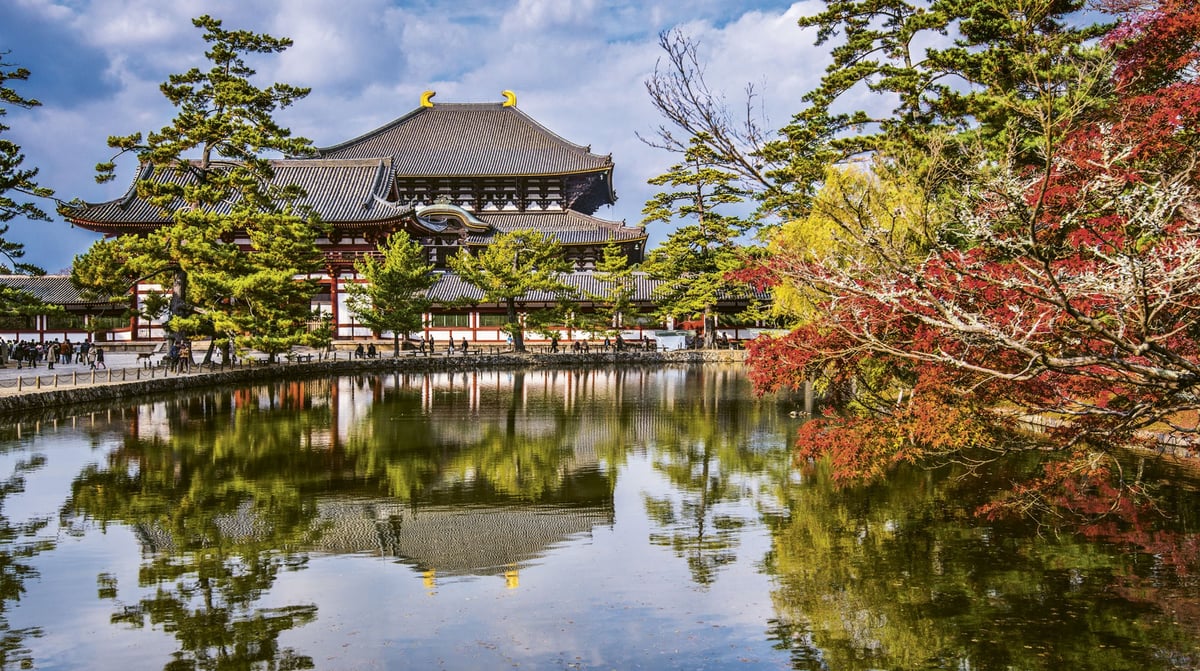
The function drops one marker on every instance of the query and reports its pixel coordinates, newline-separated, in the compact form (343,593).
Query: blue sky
(577,66)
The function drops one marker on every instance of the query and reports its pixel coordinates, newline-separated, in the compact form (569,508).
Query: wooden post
(808,397)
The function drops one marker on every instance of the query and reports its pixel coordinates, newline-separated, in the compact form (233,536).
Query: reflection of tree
(700,448)
(501,450)
(18,543)
(219,507)
(903,576)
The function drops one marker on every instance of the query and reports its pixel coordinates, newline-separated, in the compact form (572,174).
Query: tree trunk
(517,331)
(710,329)
(179,305)
(395,345)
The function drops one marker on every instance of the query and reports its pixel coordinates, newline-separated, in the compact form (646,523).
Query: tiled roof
(339,191)
(471,139)
(458,540)
(53,289)
(567,226)
(451,287)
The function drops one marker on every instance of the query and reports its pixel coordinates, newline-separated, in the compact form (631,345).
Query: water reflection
(554,519)
(703,449)
(213,489)
(19,543)
(903,576)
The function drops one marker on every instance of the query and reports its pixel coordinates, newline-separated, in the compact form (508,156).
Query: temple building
(453,176)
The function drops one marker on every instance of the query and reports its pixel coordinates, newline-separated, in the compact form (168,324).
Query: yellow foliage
(859,213)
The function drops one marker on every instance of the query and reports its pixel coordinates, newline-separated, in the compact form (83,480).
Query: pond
(550,519)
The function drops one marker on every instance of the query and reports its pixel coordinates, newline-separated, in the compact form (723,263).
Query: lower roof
(568,227)
(52,289)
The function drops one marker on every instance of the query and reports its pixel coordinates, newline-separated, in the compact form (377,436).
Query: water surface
(611,519)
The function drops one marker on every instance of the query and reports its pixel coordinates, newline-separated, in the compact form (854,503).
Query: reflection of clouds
(605,600)
(464,573)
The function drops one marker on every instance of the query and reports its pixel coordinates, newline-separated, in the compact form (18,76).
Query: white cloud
(577,67)
(545,15)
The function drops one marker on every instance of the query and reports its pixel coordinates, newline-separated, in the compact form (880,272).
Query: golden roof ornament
(427,98)
(510,98)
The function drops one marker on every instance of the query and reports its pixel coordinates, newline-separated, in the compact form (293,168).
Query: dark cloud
(64,71)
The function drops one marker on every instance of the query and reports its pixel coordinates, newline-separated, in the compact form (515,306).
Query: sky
(577,66)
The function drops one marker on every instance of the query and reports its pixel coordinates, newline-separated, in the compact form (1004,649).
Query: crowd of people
(30,353)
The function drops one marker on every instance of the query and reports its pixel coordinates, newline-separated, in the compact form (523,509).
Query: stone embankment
(106,391)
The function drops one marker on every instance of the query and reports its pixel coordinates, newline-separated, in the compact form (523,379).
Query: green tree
(211,202)
(1060,282)
(265,300)
(695,261)
(1012,69)
(17,186)
(394,297)
(614,304)
(515,264)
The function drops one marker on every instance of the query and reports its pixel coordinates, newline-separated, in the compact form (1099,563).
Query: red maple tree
(1065,291)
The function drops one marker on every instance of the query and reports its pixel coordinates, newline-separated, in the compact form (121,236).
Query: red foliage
(1077,298)
(756,274)
(929,425)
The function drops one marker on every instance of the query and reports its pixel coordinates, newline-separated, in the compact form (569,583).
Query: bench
(302,355)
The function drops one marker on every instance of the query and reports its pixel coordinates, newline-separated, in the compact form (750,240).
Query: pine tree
(695,261)
(615,304)
(17,185)
(394,295)
(225,193)
(513,265)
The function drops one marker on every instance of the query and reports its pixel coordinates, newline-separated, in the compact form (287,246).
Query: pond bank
(103,391)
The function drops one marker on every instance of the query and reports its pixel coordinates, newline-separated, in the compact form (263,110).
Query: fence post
(74,377)
(56,380)
(110,375)
(93,376)
(19,381)
(38,381)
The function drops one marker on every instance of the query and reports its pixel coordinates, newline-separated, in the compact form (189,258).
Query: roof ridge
(321,152)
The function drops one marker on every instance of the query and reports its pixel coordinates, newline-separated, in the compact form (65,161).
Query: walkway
(123,365)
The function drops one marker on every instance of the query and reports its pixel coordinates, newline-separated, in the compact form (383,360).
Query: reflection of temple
(455,540)
(452,474)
